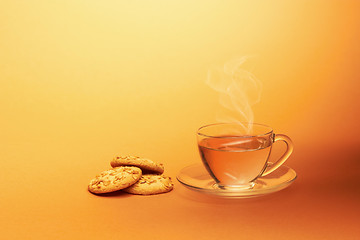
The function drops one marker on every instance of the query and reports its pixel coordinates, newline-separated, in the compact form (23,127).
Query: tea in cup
(236,154)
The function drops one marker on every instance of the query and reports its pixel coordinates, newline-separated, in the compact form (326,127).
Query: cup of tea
(236,154)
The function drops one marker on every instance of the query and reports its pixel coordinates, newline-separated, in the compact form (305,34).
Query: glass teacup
(236,154)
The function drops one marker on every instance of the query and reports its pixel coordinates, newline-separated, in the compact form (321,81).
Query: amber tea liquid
(235,161)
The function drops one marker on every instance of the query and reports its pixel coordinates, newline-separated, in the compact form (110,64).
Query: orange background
(82,81)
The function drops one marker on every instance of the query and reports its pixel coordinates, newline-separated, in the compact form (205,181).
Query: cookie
(115,179)
(143,163)
(151,184)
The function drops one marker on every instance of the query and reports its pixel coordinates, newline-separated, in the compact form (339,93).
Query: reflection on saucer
(195,177)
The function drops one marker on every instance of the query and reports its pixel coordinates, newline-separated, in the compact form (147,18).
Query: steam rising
(238,91)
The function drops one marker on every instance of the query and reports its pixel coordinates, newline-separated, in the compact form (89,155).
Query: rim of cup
(270,130)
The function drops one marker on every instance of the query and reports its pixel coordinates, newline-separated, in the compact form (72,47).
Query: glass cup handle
(284,157)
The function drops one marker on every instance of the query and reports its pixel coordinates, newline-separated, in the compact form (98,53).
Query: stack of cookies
(132,175)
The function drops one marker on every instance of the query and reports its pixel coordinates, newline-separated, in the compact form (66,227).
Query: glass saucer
(195,177)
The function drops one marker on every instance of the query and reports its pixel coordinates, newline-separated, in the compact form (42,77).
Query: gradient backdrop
(82,81)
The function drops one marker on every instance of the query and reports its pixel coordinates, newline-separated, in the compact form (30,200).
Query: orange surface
(82,81)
